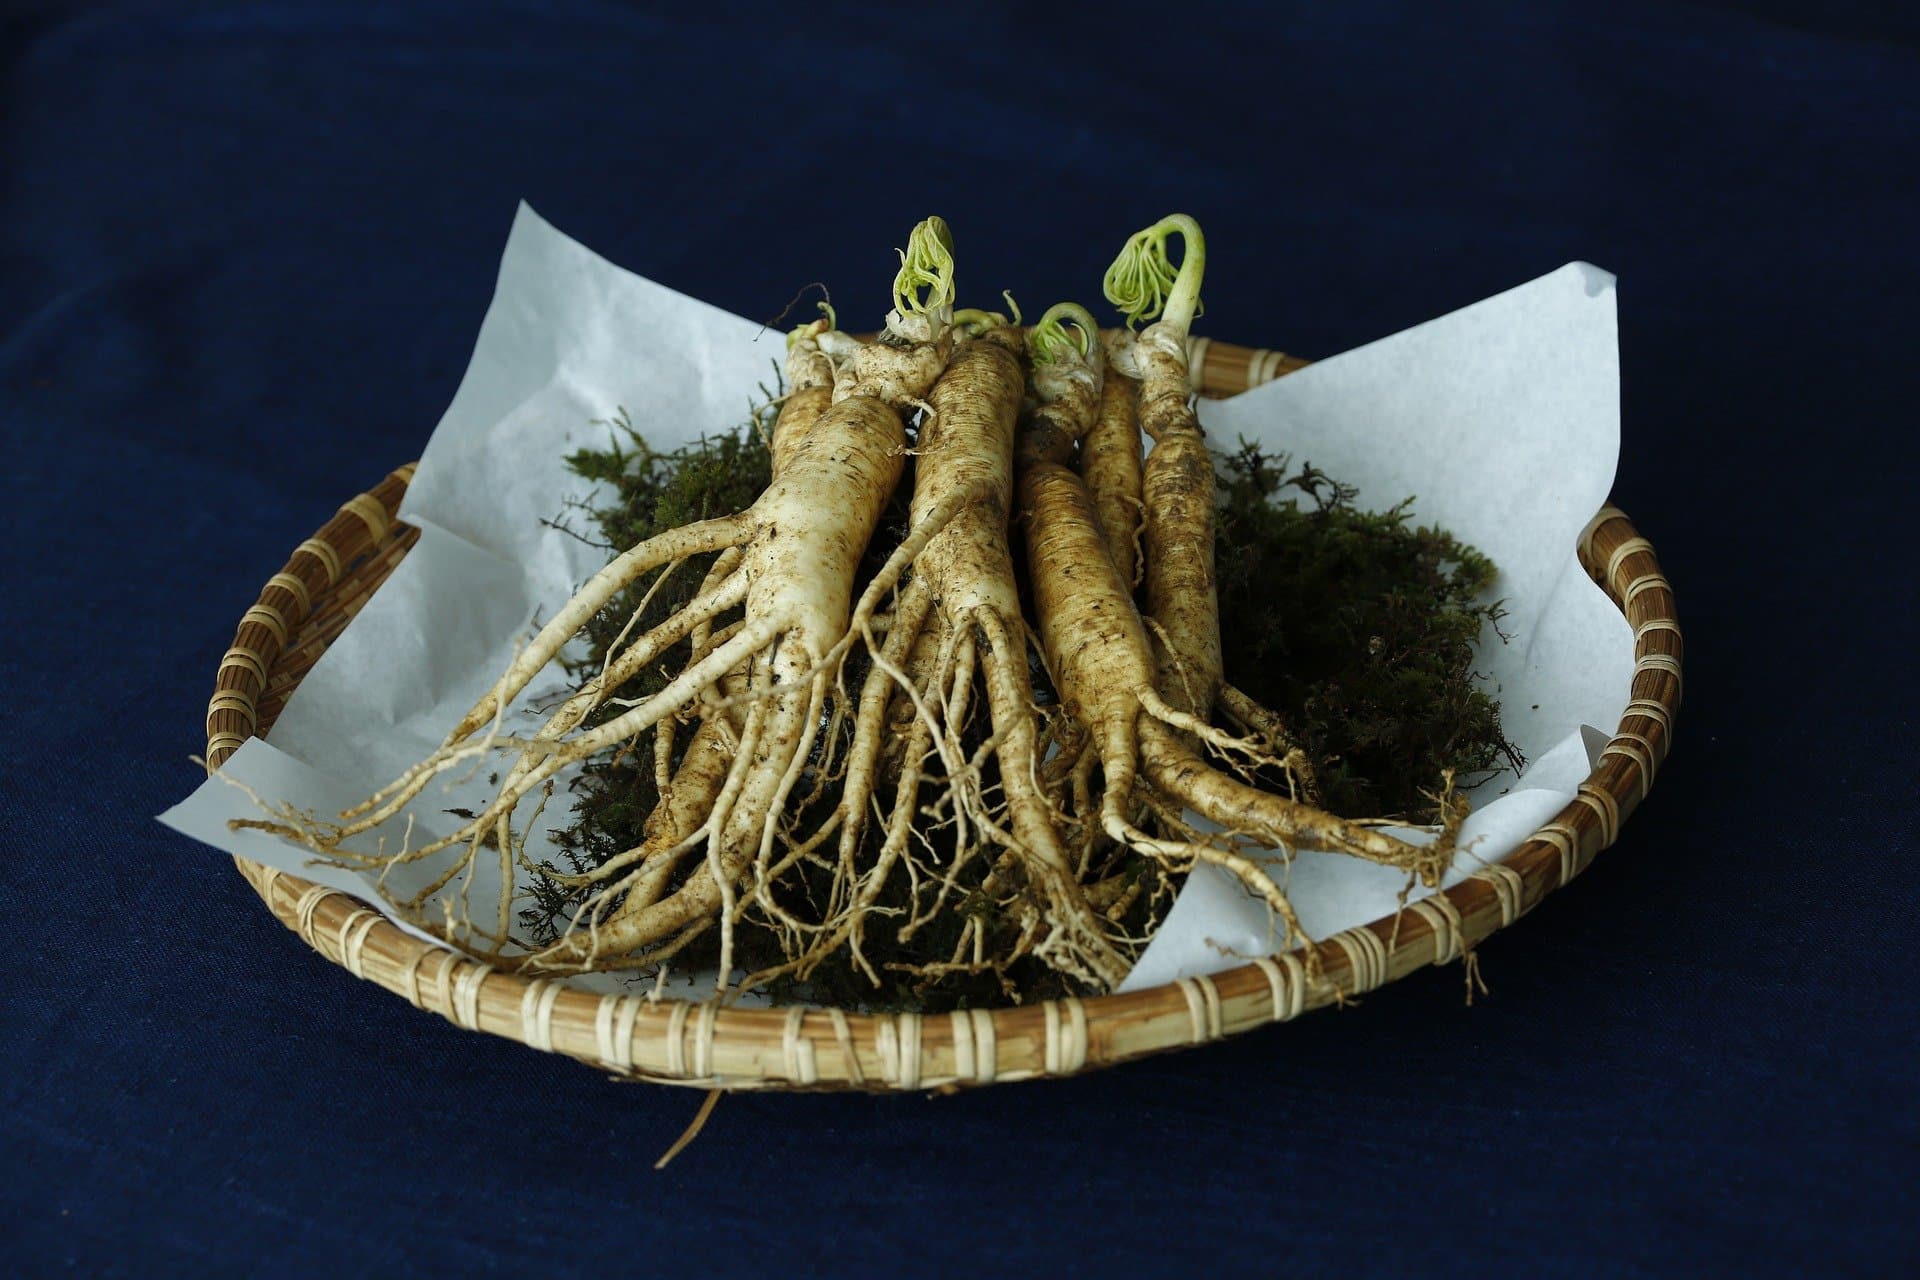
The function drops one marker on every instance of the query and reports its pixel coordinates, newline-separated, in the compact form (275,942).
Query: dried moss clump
(1358,627)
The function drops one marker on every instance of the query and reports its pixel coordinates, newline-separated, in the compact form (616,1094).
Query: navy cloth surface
(244,252)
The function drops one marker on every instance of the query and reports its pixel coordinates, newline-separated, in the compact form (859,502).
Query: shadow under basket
(331,576)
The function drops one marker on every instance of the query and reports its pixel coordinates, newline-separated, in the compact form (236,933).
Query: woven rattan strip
(340,567)
(290,603)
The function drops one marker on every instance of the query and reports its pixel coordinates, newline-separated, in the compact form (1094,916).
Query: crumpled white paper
(1502,419)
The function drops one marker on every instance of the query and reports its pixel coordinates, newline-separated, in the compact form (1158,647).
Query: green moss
(1357,627)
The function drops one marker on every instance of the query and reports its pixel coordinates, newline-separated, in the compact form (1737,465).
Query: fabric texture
(244,251)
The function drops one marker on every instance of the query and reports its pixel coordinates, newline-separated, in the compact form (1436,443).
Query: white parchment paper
(1502,419)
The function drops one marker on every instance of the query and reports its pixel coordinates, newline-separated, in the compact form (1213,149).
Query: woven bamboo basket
(331,576)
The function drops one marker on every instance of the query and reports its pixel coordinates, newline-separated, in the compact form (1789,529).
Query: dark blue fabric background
(244,252)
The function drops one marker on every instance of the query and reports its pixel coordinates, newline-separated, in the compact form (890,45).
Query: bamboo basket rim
(331,575)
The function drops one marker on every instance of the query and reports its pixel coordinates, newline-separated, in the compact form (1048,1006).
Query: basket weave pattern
(332,575)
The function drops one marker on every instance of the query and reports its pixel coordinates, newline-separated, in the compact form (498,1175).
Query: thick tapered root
(1180,591)
(1111,462)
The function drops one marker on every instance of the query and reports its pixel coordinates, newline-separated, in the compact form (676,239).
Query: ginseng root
(929,787)
(1110,462)
(963,598)
(799,547)
(1103,666)
(1181,602)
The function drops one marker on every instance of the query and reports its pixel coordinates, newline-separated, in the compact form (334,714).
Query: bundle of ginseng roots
(974,720)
